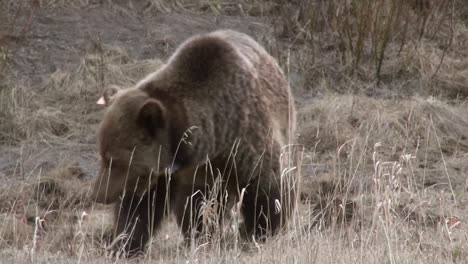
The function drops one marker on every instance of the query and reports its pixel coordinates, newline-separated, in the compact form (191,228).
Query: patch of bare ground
(381,89)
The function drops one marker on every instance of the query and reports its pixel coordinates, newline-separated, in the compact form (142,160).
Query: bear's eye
(108,159)
(112,164)
(144,138)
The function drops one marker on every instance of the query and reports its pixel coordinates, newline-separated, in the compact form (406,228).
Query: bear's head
(134,144)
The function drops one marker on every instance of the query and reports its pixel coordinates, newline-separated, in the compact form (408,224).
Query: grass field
(381,89)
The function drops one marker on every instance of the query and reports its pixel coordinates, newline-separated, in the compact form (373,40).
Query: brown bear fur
(220,110)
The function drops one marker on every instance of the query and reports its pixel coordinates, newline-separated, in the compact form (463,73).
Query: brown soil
(385,161)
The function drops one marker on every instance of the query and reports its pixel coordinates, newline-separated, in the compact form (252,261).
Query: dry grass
(70,105)
(381,88)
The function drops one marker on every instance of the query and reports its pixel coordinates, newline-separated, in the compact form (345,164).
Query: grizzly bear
(220,111)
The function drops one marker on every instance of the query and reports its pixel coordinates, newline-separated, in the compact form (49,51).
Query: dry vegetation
(381,89)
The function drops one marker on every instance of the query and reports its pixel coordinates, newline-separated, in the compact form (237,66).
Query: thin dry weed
(391,167)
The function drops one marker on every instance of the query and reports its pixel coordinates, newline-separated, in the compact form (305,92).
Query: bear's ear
(152,116)
(108,94)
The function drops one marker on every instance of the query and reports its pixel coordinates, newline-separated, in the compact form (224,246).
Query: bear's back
(229,69)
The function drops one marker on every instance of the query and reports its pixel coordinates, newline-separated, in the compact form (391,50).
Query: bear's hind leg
(136,218)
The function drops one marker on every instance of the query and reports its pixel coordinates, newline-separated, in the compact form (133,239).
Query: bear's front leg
(261,217)
(186,207)
(137,218)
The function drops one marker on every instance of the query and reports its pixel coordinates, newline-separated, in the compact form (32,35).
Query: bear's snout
(105,190)
(97,197)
